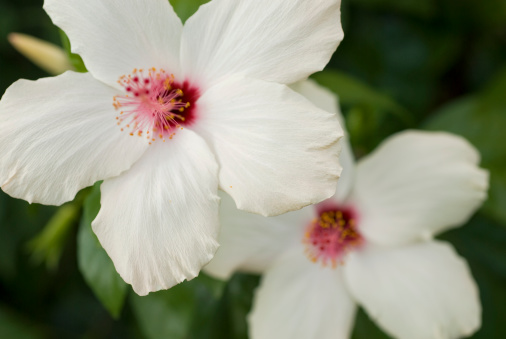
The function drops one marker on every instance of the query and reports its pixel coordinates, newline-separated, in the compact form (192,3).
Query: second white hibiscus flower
(371,244)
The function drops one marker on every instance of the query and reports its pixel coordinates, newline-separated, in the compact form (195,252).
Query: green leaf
(481,119)
(165,314)
(173,313)
(94,263)
(200,308)
(230,316)
(76,61)
(186,8)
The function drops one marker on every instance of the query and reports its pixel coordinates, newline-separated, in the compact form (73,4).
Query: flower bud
(47,56)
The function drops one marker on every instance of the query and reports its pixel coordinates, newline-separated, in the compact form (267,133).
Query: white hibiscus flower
(167,114)
(371,244)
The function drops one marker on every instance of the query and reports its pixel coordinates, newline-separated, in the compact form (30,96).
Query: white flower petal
(298,299)
(417,184)
(115,36)
(250,242)
(159,221)
(59,135)
(277,151)
(325,99)
(280,41)
(421,291)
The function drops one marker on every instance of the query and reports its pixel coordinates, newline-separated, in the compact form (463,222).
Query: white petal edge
(299,299)
(115,36)
(277,152)
(420,291)
(159,221)
(279,41)
(250,242)
(59,135)
(417,184)
(325,99)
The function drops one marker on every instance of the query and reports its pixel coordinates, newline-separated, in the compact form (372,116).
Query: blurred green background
(431,64)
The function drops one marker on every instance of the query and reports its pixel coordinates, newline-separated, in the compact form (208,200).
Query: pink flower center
(155,105)
(332,235)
